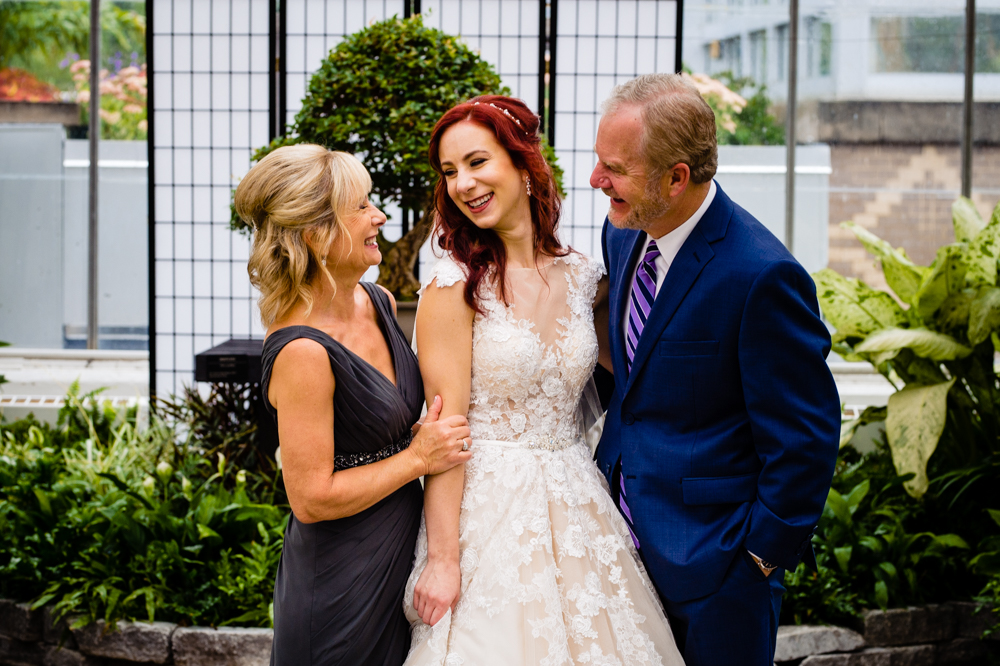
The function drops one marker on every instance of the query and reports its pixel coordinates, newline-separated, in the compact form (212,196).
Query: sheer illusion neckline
(383,327)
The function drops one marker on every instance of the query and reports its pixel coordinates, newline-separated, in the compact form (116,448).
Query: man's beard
(642,213)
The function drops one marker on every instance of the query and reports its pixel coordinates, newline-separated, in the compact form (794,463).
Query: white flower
(518,421)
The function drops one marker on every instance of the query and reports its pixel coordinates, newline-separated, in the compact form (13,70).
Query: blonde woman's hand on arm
(301,390)
(444,335)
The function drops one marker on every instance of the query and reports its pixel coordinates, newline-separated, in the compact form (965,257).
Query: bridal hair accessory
(504,112)
(527,184)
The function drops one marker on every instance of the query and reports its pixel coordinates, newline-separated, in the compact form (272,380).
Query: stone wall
(938,635)
(31,638)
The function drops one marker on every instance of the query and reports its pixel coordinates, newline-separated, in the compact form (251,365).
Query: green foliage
(35,35)
(935,341)
(755,124)
(914,522)
(106,520)
(871,550)
(378,95)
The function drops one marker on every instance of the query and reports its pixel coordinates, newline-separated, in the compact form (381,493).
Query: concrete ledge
(802,641)
(19,622)
(65,113)
(905,122)
(227,646)
(910,626)
(133,641)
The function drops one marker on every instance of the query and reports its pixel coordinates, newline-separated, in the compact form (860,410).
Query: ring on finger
(465,444)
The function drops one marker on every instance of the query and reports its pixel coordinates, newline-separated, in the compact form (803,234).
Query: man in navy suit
(721,437)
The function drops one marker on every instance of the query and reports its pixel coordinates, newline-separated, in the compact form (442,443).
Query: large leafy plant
(935,340)
(107,520)
(378,94)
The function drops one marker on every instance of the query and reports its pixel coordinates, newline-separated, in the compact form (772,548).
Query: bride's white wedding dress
(549,573)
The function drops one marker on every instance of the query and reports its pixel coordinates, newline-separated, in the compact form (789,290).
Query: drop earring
(323,261)
(527,185)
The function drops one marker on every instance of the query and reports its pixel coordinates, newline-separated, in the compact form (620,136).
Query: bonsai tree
(378,95)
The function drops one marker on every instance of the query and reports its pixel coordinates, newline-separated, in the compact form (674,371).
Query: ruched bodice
(338,593)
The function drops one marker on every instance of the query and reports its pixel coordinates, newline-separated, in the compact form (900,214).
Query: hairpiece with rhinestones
(504,112)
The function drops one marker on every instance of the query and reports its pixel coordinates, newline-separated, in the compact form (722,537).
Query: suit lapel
(621,286)
(694,255)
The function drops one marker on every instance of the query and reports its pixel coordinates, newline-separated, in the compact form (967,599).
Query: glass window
(758,56)
(933,44)
(781,41)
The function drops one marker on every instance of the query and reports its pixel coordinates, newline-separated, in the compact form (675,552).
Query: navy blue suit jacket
(728,425)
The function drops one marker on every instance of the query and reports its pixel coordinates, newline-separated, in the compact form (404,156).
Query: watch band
(765,566)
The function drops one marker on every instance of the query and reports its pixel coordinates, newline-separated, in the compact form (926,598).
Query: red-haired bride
(523,557)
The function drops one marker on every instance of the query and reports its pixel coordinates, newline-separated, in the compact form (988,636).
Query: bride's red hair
(479,249)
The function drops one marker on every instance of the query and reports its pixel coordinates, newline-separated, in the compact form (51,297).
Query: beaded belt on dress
(349,460)
(548,444)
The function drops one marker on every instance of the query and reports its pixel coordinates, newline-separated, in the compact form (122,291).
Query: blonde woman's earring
(323,261)
(527,185)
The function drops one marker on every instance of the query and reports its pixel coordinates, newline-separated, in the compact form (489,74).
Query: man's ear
(675,181)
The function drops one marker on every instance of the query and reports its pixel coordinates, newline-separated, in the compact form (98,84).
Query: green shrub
(930,532)
(109,521)
(378,94)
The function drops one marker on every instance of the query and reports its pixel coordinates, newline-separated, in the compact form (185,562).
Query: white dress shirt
(669,245)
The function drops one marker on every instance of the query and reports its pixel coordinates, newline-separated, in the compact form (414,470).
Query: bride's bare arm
(444,339)
(601,309)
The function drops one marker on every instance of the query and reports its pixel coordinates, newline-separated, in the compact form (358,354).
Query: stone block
(227,646)
(961,651)
(911,655)
(20,653)
(19,621)
(796,642)
(56,633)
(62,656)
(132,641)
(909,626)
(972,619)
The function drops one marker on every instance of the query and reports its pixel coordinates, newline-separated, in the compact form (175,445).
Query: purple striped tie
(643,293)
(641,302)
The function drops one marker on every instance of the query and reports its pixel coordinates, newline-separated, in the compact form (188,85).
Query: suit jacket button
(628,419)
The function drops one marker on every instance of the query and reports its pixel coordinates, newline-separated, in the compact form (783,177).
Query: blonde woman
(345,389)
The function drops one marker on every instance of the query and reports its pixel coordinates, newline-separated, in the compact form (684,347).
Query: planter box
(63,113)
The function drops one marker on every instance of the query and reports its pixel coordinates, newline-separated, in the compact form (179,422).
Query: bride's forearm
(442,502)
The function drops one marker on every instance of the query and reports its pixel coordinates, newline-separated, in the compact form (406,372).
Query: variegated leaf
(946,277)
(984,315)
(902,275)
(923,342)
(913,427)
(966,220)
(854,308)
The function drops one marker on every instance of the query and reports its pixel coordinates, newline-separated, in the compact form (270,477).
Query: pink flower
(142,125)
(83,97)
(132,108)
(80,65)
(110,117)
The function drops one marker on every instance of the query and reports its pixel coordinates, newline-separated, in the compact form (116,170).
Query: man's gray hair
(678,125)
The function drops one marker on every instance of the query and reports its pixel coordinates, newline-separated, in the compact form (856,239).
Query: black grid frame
(227,76)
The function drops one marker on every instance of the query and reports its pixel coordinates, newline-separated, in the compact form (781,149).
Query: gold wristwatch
(764,565)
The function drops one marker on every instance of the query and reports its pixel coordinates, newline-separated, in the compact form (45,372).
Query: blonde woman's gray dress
(339,590)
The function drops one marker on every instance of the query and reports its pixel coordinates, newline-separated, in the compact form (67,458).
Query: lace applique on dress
(549,572)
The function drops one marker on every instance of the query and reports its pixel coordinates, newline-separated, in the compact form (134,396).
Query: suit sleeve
(604,245)
(793,407)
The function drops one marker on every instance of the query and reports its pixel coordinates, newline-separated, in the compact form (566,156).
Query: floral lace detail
(549,572)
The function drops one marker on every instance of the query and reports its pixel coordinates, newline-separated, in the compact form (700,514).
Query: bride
(523,557)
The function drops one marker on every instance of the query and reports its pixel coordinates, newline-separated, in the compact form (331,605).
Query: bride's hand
(437,590)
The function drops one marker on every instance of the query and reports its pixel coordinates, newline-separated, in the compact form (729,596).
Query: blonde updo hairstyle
(297,199)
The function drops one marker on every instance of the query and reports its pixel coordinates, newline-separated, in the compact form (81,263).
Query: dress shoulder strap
(277,341)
